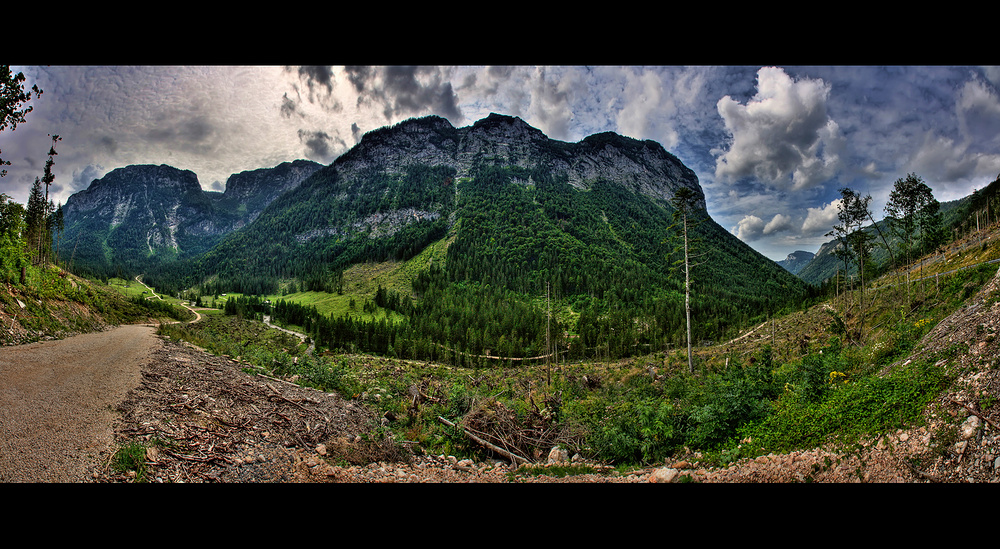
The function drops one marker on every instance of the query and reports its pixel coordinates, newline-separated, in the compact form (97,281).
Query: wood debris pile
(520,438)
(203,419)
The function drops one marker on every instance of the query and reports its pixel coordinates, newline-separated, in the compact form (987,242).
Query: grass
(362,280)
(558,471)
(131,458)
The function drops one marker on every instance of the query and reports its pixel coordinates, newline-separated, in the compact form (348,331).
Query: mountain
(796,261)
(138,216)
(403,183)
(517,214)
(520,215)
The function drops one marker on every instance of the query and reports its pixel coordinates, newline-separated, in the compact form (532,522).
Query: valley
(504,296)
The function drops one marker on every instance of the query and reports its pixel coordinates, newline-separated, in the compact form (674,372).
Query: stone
(970,427)
(558,455)
(663,475)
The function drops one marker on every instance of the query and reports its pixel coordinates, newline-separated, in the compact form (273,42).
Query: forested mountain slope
(589,223)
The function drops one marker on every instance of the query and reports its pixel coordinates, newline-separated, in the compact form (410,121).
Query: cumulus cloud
(648,104)
(553,96)
(945,161)
(751,227)
(978,112)
(821,219)
(779,223)
(783,135)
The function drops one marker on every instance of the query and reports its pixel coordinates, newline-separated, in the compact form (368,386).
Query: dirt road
(57,398)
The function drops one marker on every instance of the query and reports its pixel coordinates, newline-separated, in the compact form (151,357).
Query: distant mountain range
(796,261)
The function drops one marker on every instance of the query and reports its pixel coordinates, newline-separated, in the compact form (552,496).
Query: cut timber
(512,457)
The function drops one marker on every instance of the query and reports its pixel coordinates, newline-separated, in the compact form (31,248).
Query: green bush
(630,431)
(868,406)
(739,395)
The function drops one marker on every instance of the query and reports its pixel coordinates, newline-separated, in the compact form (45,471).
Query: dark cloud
(359,76)
(356,132)
(317,75)
(287,106)
(107,144)
(319,81)
(83,178)
(320,145)
(194,134)
(403,91)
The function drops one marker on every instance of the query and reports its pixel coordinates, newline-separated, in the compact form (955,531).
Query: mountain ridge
(137,212)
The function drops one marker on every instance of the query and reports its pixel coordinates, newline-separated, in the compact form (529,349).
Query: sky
(771,145)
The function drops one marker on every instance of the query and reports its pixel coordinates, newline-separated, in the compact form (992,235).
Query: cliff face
(249,192)
(643,167)
(143,211)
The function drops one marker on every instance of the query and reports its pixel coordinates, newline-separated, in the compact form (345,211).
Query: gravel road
(57,400)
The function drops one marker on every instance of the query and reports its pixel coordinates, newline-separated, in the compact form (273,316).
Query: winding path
(197,316)
(312,345)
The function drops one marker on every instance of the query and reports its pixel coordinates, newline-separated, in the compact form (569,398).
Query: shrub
(869,406)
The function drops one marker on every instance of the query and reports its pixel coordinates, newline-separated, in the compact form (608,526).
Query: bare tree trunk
(687,294)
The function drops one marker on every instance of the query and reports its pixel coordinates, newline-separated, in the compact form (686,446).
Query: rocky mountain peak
(644,167)
(269,181)
(796,261)
(500,126)
(113,194)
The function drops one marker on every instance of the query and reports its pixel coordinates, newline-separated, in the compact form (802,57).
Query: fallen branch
(199,459)
(514,458)
(975,413)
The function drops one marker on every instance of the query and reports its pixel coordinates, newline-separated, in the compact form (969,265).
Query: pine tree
(35,220)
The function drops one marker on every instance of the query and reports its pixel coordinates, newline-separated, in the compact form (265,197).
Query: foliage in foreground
(622,414)
(131,457)
(638,411)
